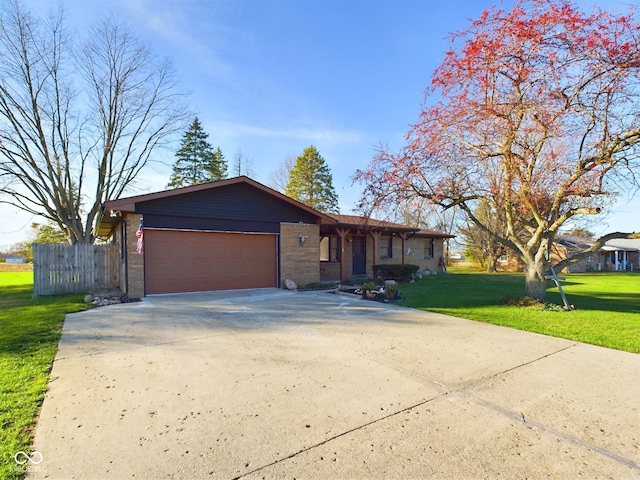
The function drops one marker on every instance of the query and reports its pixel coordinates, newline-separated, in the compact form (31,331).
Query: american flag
(139,234)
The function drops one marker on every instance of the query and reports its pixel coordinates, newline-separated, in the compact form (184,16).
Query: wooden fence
(59,268)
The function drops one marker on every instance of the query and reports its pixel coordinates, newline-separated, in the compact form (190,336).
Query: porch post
(375,234)
(342,233)
(403,236)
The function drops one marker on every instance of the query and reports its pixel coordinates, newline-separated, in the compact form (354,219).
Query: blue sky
(271,77)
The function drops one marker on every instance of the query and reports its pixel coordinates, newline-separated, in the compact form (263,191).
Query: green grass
(607,304)
(29,333)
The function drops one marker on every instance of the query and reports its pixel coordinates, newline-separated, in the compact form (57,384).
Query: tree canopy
(79,119)
(196,160)
(535,111)
(311,182)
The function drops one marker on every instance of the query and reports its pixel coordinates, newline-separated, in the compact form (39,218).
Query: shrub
(401,272)
(391,292)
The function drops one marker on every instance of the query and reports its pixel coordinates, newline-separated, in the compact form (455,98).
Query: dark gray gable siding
(238,207)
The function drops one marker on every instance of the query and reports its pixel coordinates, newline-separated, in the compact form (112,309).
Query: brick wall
(300,263)
(415,257)
(135,261)
(418,247)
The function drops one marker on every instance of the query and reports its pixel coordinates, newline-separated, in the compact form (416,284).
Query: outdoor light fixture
(302,239)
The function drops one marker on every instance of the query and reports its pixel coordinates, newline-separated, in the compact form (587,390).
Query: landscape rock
(290,284)
(104,300)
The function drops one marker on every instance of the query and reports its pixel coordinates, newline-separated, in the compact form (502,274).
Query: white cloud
(319,135)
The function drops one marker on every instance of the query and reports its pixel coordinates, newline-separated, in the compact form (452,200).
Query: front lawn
(29,333)
(607,304)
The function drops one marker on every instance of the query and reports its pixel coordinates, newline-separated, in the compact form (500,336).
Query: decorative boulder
(290,284)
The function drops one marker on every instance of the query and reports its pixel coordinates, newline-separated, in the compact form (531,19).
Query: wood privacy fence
(60,268)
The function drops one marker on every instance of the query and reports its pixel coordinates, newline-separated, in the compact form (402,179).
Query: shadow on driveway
(278,384)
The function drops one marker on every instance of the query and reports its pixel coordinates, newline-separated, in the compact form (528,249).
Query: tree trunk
(492,264)
(535,283)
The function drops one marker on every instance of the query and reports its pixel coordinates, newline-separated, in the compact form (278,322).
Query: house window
(504,258)
(329,251)
(429,247)
(386,247)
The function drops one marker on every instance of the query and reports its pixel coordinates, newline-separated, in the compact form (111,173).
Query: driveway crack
(520,417)
(342,434)
(464,391)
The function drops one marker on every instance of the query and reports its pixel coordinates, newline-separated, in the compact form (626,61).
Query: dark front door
(359,256)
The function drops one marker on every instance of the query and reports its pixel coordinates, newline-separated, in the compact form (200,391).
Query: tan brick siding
(300,263)
(416,256)
(135,263)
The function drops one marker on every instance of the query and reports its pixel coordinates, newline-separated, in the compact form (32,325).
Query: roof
(628,244)
(367,223)
(128,204)
(575,243)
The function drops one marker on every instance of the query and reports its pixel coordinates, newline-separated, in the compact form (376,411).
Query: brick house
(238,233)
(616,254)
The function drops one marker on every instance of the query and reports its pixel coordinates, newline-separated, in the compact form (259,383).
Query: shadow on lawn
(468,290)
(606,301)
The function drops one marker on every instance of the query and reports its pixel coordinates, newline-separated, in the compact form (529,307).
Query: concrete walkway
(276,384)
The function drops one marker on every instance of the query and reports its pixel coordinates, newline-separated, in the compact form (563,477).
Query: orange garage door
(179,261)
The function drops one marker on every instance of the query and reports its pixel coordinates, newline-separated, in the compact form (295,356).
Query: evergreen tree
(197,161)
(311,183)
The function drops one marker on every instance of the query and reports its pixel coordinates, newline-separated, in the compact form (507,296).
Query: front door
(359,255)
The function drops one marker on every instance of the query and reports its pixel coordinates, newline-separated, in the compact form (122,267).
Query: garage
(230,234)
(191,261)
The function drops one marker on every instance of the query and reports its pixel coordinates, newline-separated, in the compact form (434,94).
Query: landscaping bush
(401,272)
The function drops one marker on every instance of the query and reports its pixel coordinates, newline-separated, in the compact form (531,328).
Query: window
(429,245)
(386,247)
(504,258)
(329,249)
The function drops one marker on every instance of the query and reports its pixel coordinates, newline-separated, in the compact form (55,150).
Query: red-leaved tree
(535,111)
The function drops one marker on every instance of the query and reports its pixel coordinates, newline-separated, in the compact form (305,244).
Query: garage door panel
(178,261)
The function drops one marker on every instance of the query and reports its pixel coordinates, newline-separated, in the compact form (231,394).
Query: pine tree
(311,182)
(197,161)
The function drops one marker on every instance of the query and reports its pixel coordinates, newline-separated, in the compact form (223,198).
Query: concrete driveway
(277,384)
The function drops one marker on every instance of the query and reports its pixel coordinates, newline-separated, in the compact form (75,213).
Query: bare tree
(280,176)
(242,165)
(78,121)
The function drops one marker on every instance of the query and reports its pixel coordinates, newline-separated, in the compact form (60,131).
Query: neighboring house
(617,254)
(238,233)
(15,259)
(566,246)
(620,254)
